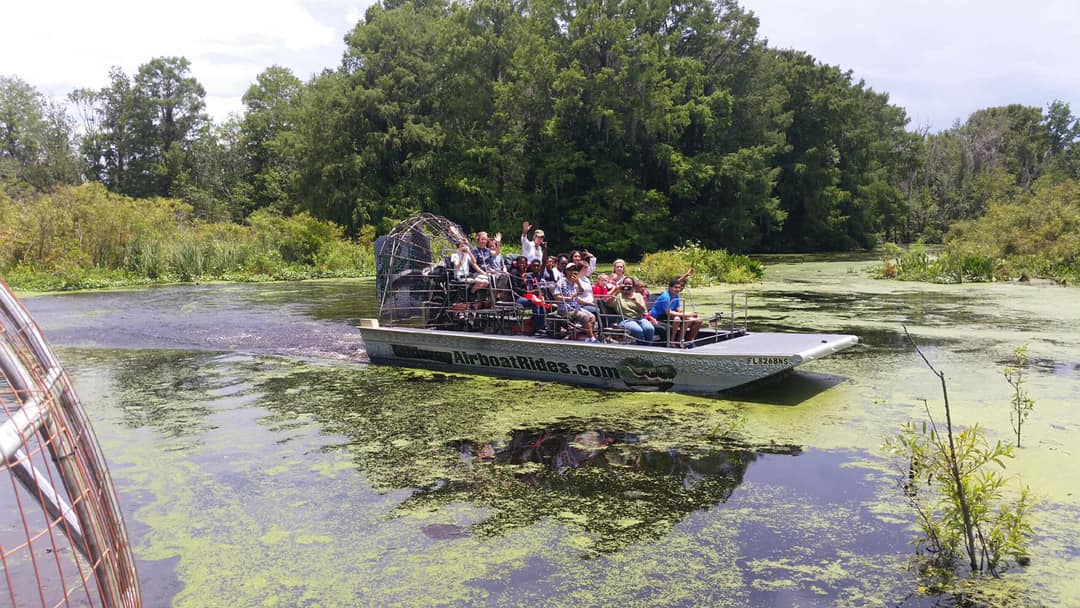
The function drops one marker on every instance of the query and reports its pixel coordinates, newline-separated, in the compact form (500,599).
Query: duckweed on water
(256,480)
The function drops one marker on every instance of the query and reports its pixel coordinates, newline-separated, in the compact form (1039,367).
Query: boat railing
(431,298)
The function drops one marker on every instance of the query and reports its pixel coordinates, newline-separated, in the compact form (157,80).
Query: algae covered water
(261,462)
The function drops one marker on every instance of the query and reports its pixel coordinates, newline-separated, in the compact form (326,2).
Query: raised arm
(528,248)
(592,264)
(472,264)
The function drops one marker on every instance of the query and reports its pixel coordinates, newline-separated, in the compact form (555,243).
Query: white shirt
(531,250)
(462,265)
(586,288)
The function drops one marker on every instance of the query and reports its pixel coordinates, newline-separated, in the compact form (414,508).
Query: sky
(939,59)
(61,45)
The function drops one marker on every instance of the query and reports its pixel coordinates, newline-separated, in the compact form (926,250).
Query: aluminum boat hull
(705,369)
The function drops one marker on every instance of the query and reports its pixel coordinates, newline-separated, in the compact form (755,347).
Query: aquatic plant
(919,264)
(1021,403)
(959,500)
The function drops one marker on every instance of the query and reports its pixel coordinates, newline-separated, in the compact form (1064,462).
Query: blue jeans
(640,329)
(538,313)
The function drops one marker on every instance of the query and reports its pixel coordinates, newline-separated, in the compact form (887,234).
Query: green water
(260,462)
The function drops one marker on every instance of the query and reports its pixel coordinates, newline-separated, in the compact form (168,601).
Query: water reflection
(173,392)
(790,388)
(609,483)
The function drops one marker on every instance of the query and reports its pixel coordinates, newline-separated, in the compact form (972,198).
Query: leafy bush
(1034,234)
(949,478)
(710,266)
(85,237)
(298,238)
(918,264)
(344,258)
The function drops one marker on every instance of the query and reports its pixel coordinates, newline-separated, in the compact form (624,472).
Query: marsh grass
(85,237)
(918,264)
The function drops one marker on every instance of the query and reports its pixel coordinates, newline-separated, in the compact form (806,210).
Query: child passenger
(603,286)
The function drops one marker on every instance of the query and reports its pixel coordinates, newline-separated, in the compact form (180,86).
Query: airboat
(429,319)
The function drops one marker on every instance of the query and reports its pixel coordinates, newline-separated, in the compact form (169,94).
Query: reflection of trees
(417,431)
(171,391)
(606,482)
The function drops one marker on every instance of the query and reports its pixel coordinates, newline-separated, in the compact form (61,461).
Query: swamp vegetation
(625,130)
(959,499)
(81,237)
(260,461)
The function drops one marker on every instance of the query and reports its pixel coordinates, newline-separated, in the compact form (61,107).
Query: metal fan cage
(411,263)
(64,543)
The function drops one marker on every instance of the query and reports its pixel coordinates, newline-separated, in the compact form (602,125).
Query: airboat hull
(705,369)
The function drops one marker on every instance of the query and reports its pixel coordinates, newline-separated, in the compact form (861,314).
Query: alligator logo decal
(644,375)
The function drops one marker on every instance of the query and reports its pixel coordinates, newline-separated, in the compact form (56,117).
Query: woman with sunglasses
(628,303)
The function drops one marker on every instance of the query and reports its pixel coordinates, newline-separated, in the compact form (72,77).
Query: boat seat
(558,325)
(510,317)
(608,325)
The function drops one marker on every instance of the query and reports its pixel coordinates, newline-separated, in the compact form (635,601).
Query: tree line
(627,126)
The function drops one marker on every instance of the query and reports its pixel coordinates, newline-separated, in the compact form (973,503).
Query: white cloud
(941,60)
(60,45)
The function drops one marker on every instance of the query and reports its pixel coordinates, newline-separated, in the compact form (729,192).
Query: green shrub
(86,237)
(950,477)
(298,238)
(710,266)
(918,264)
(345,258)
(1034,234)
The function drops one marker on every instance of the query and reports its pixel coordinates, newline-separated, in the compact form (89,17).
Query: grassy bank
(85,237)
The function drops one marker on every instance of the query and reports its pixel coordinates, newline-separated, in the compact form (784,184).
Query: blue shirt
(485,258)
(664,302)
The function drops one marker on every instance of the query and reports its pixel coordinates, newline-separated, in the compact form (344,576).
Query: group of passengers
(538,281)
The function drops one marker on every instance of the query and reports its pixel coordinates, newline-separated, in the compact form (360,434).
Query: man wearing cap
(571,298)
(534,249)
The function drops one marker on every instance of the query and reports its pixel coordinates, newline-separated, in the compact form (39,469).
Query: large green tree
(36,139)
(140,132)
(269,138)
(621,125)
(846,147)
(995,155)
